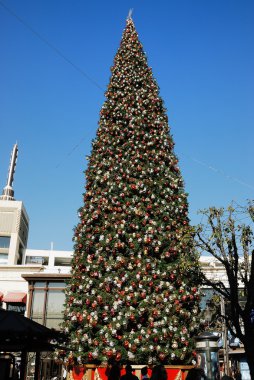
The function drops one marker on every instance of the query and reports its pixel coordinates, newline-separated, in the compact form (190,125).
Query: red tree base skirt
(94,372)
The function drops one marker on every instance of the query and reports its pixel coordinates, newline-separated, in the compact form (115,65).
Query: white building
(21,268)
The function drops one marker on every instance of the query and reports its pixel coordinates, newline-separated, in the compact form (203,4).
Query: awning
(15,297)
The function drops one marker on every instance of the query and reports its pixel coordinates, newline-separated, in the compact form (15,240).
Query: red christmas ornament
(162,356)
(109,354)
(155,313)
(133,348)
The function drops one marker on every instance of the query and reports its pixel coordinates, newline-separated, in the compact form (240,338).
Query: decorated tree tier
(133,295)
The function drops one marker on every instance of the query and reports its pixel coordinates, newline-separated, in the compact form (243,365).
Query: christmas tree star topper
(130,14)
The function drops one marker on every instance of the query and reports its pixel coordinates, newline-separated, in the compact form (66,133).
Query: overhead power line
(219,171)
(50,45)
(70,152)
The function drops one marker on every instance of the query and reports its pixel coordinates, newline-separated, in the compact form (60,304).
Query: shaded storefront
(46,306)
(15,301)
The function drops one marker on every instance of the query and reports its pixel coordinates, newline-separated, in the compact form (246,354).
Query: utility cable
(219,171)
(51,46)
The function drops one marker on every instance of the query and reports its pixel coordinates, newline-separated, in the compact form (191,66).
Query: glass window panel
(3,258)
(38,305)
(56,284)
(44,260)
(40,284)
(5,241)
(55,308)
(63,261)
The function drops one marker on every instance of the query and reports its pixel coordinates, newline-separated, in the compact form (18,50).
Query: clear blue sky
(55,66)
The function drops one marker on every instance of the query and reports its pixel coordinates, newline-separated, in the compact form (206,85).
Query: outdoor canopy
(19,333)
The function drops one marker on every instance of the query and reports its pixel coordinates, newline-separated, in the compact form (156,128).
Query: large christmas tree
(133,294)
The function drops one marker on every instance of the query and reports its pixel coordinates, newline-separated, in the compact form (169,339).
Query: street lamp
(207,354)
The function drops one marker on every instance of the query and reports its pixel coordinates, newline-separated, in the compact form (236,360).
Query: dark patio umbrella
(21,334)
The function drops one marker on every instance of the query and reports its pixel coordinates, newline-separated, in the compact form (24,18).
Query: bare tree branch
(232,244)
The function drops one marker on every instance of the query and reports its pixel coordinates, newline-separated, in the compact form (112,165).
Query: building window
(38,305)
(47,302)
(63,261)
(5,241)
(43,260)
(54,309)
(3,258)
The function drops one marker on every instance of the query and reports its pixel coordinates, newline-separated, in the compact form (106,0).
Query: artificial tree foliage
(134,294)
